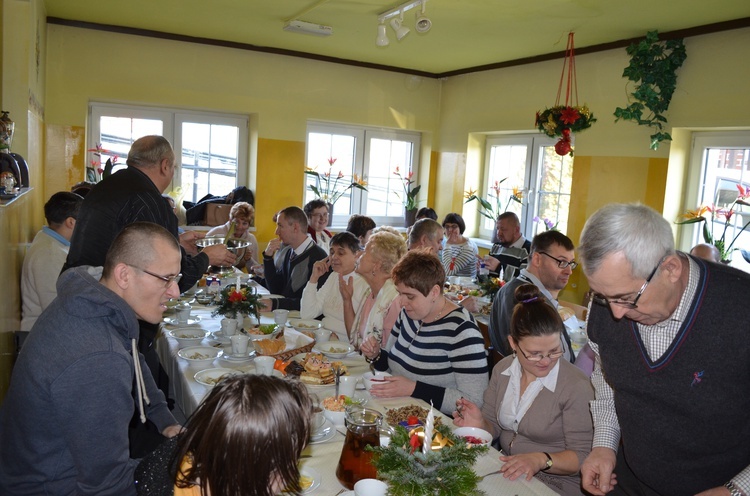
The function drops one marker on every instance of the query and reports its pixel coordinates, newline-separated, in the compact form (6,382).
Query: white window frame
(362,136)
(172,119)
(531,182)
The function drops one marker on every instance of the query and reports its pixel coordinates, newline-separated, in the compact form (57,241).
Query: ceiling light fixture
(382,39)
(396,16)
(400,29)
(304,27)
(423,24)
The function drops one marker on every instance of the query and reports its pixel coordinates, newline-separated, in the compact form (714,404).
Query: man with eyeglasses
(80,377)
(672,369)
(550,265)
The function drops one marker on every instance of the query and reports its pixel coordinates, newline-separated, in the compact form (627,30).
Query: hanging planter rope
(561,120)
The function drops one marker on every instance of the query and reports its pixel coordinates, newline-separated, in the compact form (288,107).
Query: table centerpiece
(238,301)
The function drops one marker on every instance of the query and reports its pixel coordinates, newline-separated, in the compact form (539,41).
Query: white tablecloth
(324,457)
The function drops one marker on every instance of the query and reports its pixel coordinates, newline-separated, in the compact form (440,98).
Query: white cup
(239,344)
(347,383)
(264,365)
(228,327)
(322,335)
(280,315)
(318,419)
(370,487)
(183,312)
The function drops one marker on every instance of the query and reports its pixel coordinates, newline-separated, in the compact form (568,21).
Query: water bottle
(484,272)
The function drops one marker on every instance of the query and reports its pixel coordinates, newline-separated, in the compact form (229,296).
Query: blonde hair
(243,210)
(387,248)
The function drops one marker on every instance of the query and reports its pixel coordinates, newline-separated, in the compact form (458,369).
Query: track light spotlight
(401,30)
(382,39)
(423,24)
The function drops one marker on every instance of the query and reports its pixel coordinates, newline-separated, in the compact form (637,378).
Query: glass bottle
(362,430)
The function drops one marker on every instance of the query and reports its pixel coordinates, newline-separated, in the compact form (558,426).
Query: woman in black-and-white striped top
(435,351)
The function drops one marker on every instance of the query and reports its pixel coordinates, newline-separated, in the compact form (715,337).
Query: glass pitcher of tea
(363,427)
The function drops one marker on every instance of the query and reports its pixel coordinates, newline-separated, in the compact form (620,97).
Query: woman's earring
(514,353)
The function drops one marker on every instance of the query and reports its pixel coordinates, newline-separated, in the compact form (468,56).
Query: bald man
(706,252)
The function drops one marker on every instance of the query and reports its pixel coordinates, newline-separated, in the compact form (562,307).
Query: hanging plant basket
(562,120)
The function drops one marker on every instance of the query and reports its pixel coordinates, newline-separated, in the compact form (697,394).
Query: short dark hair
(314,205)
(347,240)
(544,240)
(426,213)
(420,270)
(295,214)
(533,315)
(509,216)
(135,246)
(60,206)
(82,188)
(454,218)
(425,227)
(359,225)
(149,151)
(249,431)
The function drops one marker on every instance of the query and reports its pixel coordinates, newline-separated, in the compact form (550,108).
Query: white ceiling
(465,34)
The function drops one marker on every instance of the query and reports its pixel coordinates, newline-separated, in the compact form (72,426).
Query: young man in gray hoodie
(79,377)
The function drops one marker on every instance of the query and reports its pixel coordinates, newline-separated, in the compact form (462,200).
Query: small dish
(211,377)
(326,432)
(220,337)
(473,434)
(307,325)
(314,475)
(187,336)
(239,358)
(334,349)
(369,379)
(191,321)
(200,355)
(262,334)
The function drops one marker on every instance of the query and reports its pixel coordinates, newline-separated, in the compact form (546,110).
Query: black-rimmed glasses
(603,300)
(167,279)
(538,357)
(563,264)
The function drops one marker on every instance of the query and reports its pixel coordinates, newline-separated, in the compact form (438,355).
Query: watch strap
(549,463)
(733,490)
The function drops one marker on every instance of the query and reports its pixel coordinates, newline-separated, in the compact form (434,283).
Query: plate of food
(305,325)
(200,355)
(334,349)
(409,416)
(314,369)
(474,435)
(263,331)
(309,479)
(211,377)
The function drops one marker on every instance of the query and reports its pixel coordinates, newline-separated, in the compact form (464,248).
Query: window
(531,165)
(722,161)
(372,154)
(210,149)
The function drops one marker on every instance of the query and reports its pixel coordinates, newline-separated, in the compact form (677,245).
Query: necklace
(440,314)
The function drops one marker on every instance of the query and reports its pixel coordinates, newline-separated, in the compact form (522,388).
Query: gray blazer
(555,422)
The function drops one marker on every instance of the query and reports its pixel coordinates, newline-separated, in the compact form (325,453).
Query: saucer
(325,433)
(238,358)
(220,337)
(192,320)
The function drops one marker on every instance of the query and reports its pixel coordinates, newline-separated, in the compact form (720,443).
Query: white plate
(242,358)
(307,325)
(202,376)
(192,320)
(316,477)
(250,369)
(328,345)
(474,432)
(328,431)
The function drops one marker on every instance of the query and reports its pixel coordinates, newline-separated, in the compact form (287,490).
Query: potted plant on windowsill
(492,206)
(409,199)
(328,186)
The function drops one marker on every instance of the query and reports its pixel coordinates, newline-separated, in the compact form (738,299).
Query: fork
(481,477)
(340,492)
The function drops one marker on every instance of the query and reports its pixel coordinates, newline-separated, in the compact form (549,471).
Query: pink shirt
(388,321)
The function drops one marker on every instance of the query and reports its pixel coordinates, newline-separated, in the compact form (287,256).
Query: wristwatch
(733,490)
(548,465)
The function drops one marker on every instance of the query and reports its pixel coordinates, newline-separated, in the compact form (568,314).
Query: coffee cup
(228,327)
(279,316)
(183,312)
(264,365)
(370,487)
(347,383)
(239,344)
(322,335)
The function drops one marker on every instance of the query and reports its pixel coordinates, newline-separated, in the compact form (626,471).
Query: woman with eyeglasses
(317,221)
(459,254)
(536,403)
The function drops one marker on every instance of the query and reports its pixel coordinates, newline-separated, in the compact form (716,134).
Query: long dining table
(319,458)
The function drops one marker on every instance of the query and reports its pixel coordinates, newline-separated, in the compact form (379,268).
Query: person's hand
(218,255)
(526,464)
(346,288)
(319,268)
(470,415)
(273,247)
(395,386)
(188,239)
(597,475)
(470,304)
(715,491)
(172,430)
(370,348)
(492,263)
(265,305)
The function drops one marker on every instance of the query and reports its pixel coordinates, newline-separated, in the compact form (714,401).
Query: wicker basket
(286,355)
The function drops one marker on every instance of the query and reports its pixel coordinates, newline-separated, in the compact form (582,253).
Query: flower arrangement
(95,172)
(238,300)
(410,194)
(326,187)
(562,120)
(410,470)
(716,213)
(548,225)
(491,207)
(490,286)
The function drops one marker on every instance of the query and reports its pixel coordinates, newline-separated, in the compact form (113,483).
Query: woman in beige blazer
(537,404)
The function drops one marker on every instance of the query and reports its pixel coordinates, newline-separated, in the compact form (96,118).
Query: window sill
(482,243)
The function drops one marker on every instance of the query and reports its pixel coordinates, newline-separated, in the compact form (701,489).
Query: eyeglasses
(321,215)
(451,226)
(563,264)
(538,357)
(603,300)
(167,279)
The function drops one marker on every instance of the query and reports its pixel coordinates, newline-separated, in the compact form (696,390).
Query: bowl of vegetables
(264,331)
